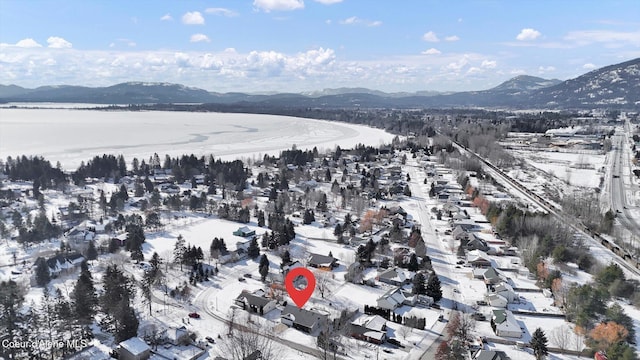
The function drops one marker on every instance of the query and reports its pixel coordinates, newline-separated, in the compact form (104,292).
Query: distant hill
(614,86)
(525,83)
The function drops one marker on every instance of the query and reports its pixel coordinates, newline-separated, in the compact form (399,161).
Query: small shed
(134,349)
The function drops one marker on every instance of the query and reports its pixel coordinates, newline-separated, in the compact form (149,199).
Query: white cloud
(193,18)
(221,11)
(547,69)
(27,43)
(452,38)
(488,64)
(456,66)
(528,34)
(50,62)
(167,17)
(58,43)
(278,5)
(589,66)
(432,51)
(430,36)
(354,20)
(328,2)
(585,37)
(199,38)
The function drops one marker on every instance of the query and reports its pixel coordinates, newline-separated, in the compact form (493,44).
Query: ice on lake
(72,136)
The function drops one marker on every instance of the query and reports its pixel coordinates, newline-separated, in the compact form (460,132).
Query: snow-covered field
(574,168)
(72,136)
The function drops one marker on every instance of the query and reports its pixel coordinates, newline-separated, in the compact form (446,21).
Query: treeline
(36,169)
(182,168)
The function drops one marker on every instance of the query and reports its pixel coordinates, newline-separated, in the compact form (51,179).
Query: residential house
(322,262)
(255,302)
(289,267)
(78,235)
(371,328)
(497,301)
(478,258)
(474,242)
(395,276)
(303,320)
(505,324)
(490,276)
(505,290)
(133,349)
(244,231)
(467,225)
(459,233)
(395,298)
(64,263)
(177,336)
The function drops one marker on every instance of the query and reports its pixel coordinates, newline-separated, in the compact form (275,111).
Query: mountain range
(615,86)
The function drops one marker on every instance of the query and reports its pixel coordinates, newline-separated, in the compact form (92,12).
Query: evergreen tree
(539,344)
(286,259)
(434,289)
(117,291)
(126,320)
(11,298)
(261,218)
(42,272)
(418,284)
(179,250)
(253,251)
(84,296)
(263,268)
(413,263)
(91,253)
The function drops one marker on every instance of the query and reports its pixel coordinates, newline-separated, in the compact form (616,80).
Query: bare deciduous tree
(404,331)
(561,337)
(248,338)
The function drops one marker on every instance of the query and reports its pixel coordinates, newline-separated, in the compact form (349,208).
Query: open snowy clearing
(73,136)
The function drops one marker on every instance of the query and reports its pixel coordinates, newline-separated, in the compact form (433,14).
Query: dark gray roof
(304,317)
(318,259)
(254,300)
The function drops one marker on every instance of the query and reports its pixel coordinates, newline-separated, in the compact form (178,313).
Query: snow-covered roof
(135,346)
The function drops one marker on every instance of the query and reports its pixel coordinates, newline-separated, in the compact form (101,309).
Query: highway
(515,186)
(619,173)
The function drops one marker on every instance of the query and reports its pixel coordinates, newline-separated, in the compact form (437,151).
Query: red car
(194,315)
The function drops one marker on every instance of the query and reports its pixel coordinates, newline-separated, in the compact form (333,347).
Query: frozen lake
(71,136)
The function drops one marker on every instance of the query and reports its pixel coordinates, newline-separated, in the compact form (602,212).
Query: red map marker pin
(300,296)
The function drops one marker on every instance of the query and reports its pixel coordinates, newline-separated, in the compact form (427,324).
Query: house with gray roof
(255,302)
(303,320)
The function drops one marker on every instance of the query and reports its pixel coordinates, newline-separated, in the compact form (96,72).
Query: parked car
(460,262)
(210,340)
(441,317)
(481,302)
(241,279)
(194,315)
(247,276)
(479,316)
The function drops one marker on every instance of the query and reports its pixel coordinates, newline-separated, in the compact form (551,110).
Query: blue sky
(306,45)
